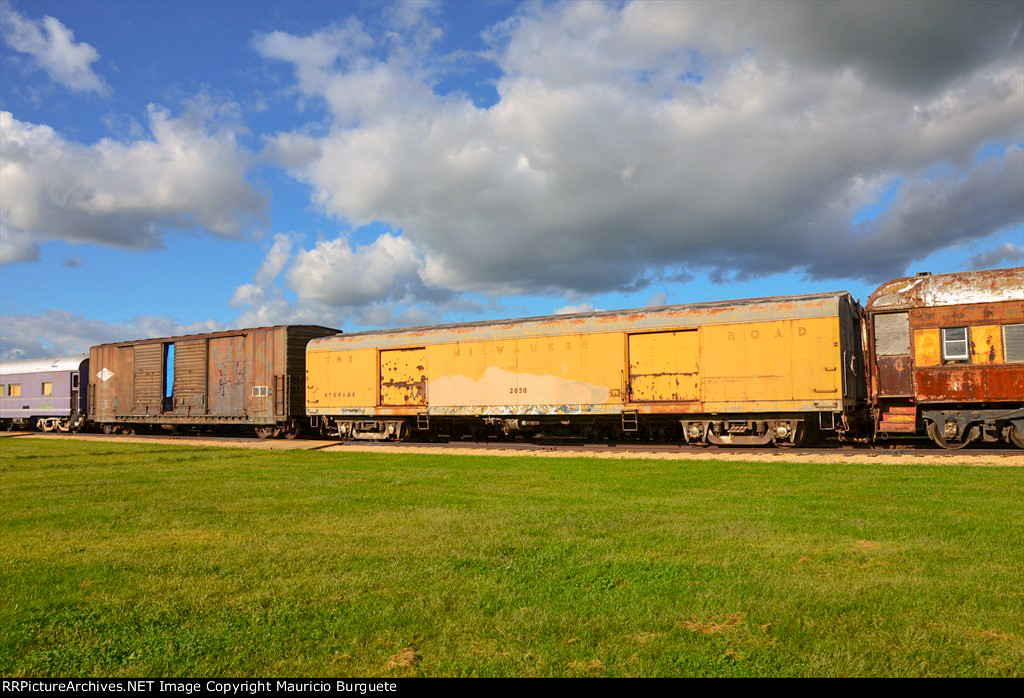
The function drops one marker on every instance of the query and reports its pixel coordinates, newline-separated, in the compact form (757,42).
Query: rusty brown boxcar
(947,357)
(248,379)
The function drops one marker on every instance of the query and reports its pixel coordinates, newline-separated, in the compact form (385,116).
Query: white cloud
(573,309)
(635,143)
(189,174)
(57,332)
(337,273)
(17,246)
(657,299)
(53,47)
(1005,255)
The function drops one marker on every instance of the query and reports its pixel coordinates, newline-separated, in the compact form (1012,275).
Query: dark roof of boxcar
(579,318)
(928,290)
(222,333)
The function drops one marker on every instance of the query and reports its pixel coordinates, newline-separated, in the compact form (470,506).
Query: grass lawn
(120,559)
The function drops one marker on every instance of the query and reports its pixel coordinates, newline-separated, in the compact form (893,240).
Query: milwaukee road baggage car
(243,379)
(771,370)
(44,394)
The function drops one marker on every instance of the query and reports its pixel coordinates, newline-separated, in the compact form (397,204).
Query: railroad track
(555,445)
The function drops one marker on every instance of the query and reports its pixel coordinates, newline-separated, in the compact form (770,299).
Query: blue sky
(174,167)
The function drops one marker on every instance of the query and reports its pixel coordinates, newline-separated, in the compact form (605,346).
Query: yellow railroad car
(751,371)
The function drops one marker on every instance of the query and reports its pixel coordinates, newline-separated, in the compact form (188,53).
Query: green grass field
(120,559)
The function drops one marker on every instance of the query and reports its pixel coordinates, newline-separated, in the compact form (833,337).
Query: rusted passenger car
(247,379)
(947,357)
(45,394)
(752,371)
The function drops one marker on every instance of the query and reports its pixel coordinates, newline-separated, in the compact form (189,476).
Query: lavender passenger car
(47,394)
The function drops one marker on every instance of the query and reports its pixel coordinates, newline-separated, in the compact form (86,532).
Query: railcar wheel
(799,434)
(109,429)
(972,433)
(265,432)
(1013,436)
(292,430)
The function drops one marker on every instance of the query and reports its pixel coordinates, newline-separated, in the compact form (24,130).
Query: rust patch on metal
(949,289)
(895,376)
(951,384)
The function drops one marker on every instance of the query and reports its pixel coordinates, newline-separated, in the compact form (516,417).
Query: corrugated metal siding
(147,391)
(190,377)
(260,369)
(223,380)
(227,376)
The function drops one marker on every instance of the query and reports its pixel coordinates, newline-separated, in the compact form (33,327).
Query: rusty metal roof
(43,365)
(927,290)
(222,333)
(693,314)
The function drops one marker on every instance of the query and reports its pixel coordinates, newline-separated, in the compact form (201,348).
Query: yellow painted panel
(663,366)
(403,377)
(927,351)
(604,367)
(817,360)
(569,369)
(772,361)
(341,378)
(987,344)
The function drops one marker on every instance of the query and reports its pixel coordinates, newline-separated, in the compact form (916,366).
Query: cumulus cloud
(339,273)
(189,174)
(341,284)
(657,299)
(573,309)
(1006,255)
(53,48)
(58,332)
(17,246)
(641,142)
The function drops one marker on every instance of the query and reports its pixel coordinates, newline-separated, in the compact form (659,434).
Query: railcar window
(47,388)
(15,389)
(954,343)
(3,390)
(892,334)
(1013,341)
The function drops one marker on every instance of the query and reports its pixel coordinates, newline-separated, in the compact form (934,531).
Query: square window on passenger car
(954,344)
(1013,343)
(47,388)
(15,389)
